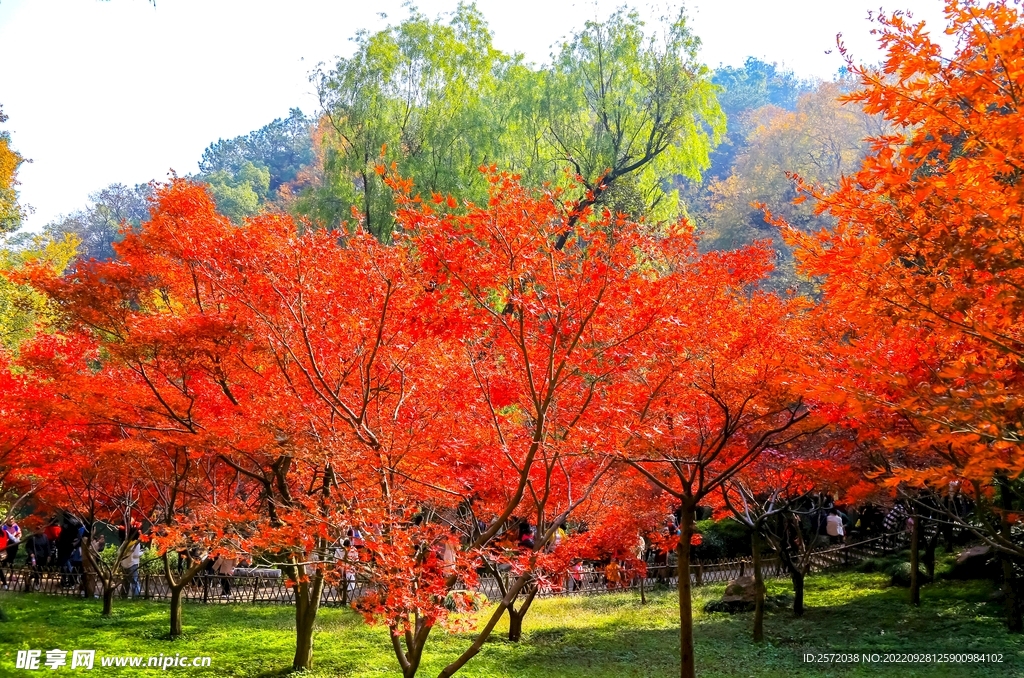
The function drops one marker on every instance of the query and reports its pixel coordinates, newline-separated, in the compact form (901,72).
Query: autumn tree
(556,325)
(823,139)
(11,213)
(713,392)
(23,309)
(922,272)
(780,497)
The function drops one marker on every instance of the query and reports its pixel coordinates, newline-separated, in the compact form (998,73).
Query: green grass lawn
(594,637)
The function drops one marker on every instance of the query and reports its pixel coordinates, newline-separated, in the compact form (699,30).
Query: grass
(594,637)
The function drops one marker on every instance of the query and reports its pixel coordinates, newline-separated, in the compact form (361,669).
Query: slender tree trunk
(108,597)
(515,625)
(515,617)
(307,604)
(177,587)
(176,611)
(755,551)
(482,636)
(798,592)
(686,664)
(1011,587)
(915,561)
(930,545)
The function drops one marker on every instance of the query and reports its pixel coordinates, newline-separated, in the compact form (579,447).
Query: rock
(741,589)
(976,562)
(739,597)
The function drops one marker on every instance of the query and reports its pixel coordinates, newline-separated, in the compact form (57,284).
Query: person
(450,548)
(834,526)
(526,535)
(612,574)
(225,567)
(349,559)
(130,566)
(12,529)
(37,555)
(575,579)
(13,532)
(76,570)
(3,556)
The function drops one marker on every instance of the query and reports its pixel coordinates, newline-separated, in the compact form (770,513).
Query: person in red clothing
(52,531)
(3,556)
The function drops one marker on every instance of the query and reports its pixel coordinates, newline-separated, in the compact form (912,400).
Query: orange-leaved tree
(922,275)
(714,388)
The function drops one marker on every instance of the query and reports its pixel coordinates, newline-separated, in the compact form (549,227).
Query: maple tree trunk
(176,611)
(305,615)
(484,634)
(515,626)
(307,604)
(915,562)
(515,617)
(177,587)
(108,597)
(755,552)
(797,576)
(1011,586)
(686,665)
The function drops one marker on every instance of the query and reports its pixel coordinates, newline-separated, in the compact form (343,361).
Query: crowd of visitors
(55,548)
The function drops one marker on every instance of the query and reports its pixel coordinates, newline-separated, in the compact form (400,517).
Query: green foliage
(593,636)
(722,539)
(756,84)
(438,99)
(899,574)
(23,309)
(283,148)
(241,194)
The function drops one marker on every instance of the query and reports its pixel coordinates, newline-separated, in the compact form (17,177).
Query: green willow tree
(618,108)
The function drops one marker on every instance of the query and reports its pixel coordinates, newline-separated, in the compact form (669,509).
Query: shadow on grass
(604,637)
(851,614)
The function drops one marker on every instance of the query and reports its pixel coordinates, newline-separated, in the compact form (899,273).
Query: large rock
(741,589)
(977,562)
(739,596)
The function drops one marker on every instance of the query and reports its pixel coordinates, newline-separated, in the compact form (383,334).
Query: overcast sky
(122,91)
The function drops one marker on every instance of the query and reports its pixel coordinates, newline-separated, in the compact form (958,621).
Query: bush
(465,601)
(900,574)
(722,539)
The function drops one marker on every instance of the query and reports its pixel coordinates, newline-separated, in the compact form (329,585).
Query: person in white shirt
(130,566)
(834,527)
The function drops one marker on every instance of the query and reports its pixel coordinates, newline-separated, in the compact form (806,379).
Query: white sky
(122,91)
